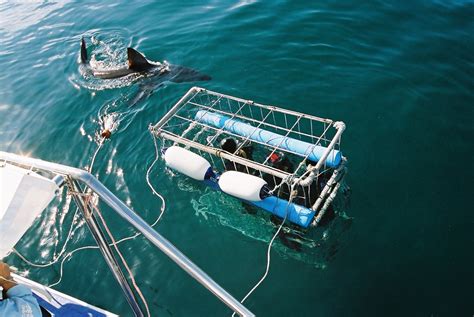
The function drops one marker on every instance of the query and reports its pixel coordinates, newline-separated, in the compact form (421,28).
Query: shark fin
(83,51)
(136,61)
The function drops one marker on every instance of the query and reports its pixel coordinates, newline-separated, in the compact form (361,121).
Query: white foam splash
(111,121)
(4,107)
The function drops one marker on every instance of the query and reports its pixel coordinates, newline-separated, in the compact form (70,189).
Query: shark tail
(83,51)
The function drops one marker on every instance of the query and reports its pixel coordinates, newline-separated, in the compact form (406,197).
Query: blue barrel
(256,134)
(297,214)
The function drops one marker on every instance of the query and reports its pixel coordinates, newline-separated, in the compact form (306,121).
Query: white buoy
(241,185)
(187,162)
(23,196)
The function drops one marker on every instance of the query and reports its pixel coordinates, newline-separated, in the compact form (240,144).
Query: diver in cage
(281,162)
(230,145)
(18,300)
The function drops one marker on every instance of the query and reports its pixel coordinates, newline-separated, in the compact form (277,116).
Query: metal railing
(85,178)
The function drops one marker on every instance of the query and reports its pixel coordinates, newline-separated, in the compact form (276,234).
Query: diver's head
(276,157)
(229,145)
(281,161)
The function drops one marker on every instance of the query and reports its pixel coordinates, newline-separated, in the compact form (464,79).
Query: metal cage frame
(181,126)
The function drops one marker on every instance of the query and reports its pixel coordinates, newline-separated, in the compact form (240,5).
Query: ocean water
(399,74)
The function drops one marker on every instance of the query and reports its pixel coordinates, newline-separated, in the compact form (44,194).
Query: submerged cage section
(297,155)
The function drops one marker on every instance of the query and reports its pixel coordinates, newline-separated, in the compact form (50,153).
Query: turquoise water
(400,75)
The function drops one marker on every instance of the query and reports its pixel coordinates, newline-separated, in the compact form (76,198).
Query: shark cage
(285,162)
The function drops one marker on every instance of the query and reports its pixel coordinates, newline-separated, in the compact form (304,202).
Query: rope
(68,238)
(55,258)
(267,269)
(114,242)
(285,180)
(91,247)
(157,156)
(130,273)
(102,140)
(67,256)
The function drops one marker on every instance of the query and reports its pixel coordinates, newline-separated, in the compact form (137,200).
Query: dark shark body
(138,64)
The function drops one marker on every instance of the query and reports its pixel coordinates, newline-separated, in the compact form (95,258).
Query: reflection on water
(19,15)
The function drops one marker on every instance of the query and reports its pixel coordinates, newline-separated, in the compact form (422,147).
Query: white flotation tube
(187,162)
(23,196)
(241,185)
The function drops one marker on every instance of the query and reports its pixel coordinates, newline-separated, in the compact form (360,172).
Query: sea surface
(400,74)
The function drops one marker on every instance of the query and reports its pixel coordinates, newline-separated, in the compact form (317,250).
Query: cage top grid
(203,118)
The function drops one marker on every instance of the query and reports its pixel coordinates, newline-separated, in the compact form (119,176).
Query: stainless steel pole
(106,251)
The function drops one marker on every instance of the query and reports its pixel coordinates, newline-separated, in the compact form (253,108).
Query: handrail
(136,221)
(104,248)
